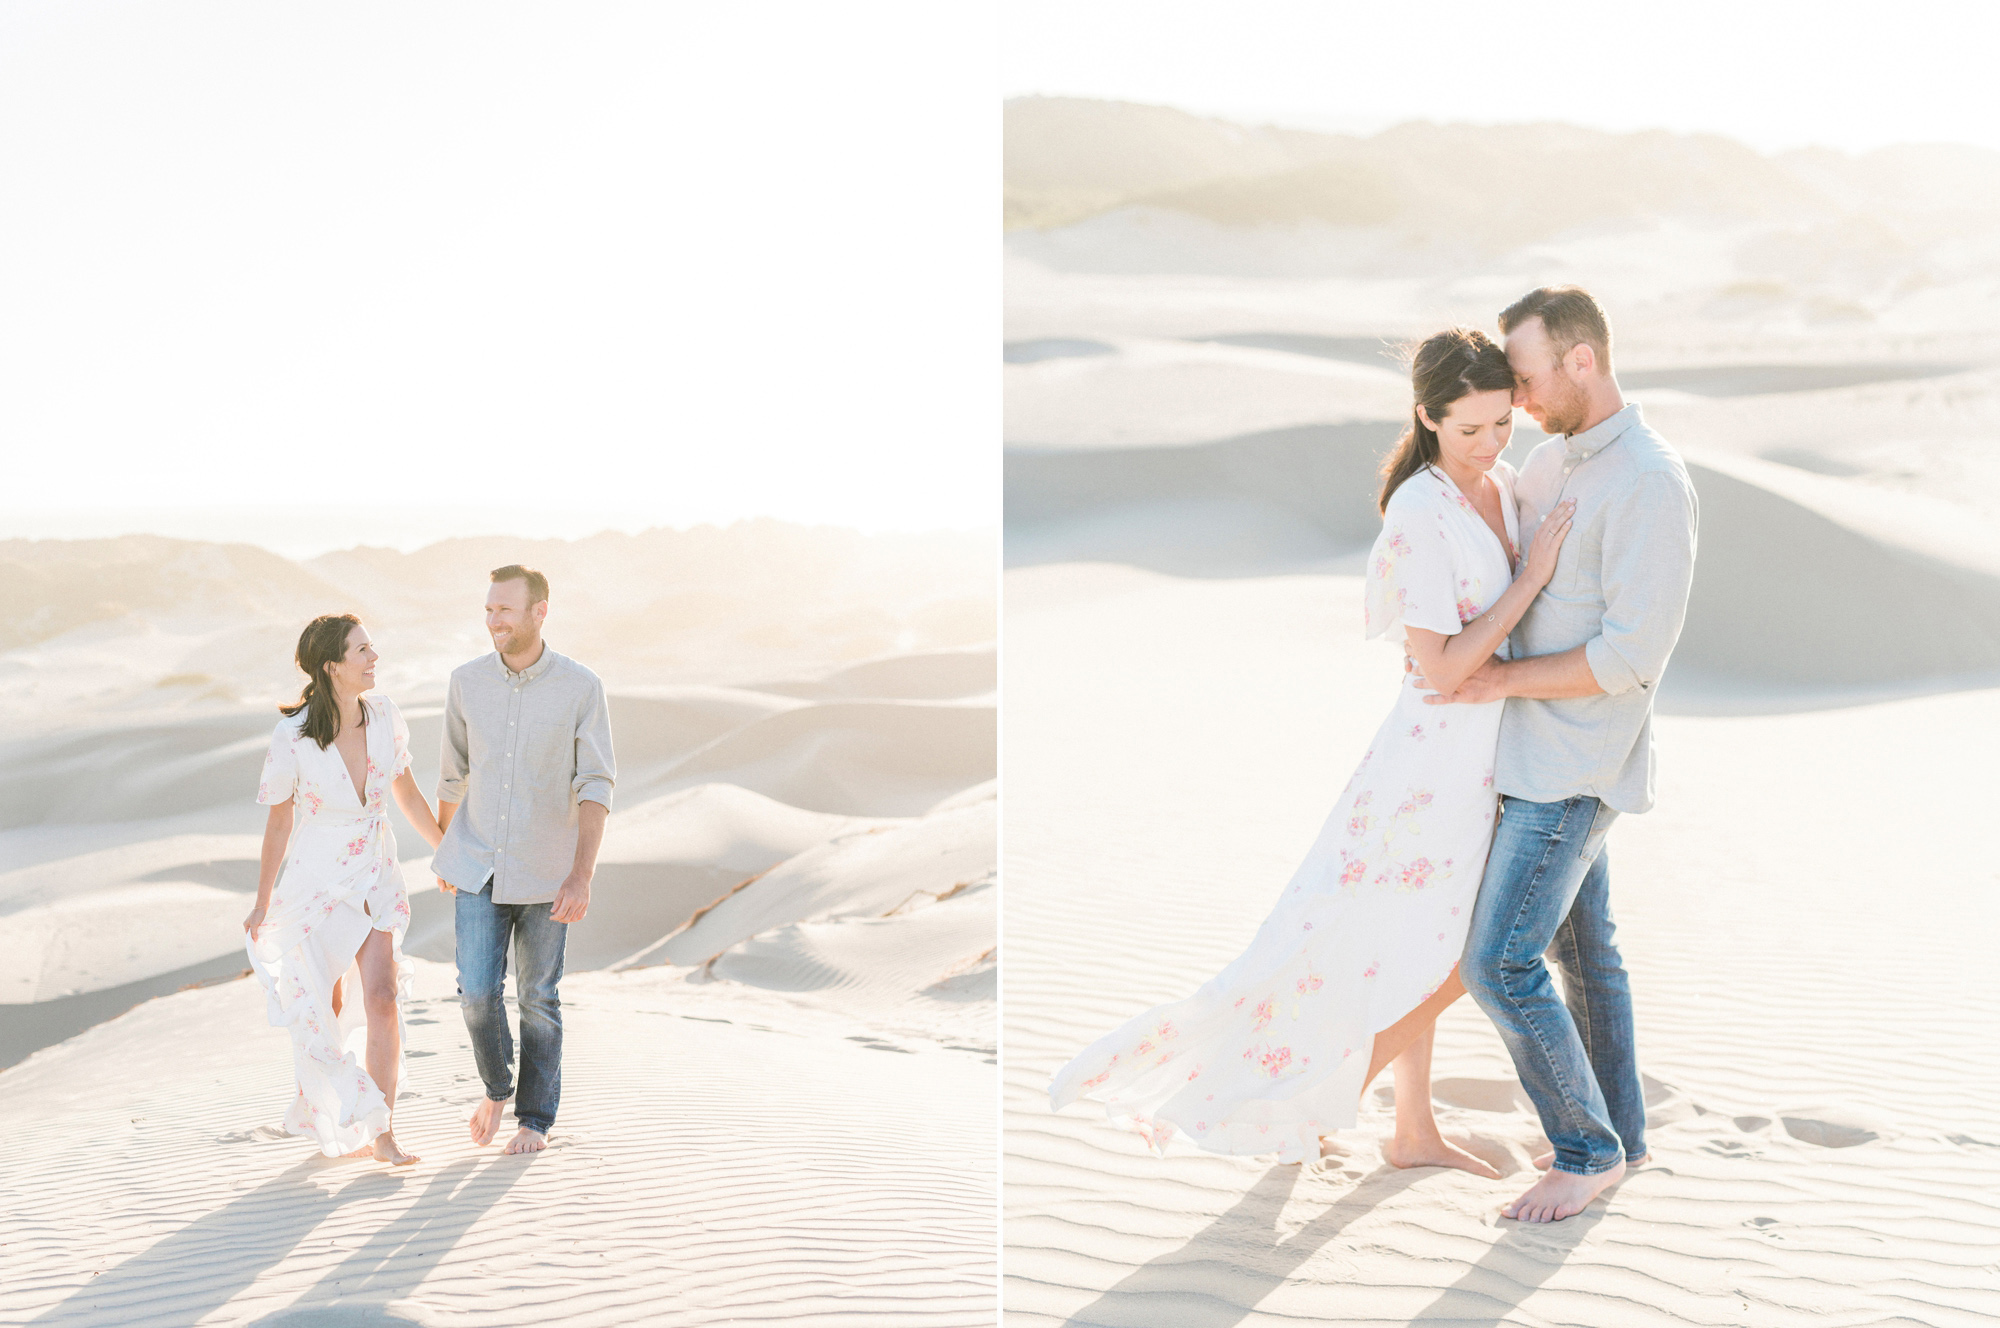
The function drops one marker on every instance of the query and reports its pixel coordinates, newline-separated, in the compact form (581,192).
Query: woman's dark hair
(1452,364)
(323,642)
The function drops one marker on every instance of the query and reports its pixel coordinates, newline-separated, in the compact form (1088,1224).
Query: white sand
(794,1124)
(1808,925)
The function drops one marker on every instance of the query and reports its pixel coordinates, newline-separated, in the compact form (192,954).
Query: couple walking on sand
(1537,612)
(523,791)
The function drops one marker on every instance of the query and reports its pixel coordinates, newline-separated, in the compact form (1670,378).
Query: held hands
(1540,563)
(446,886)
(572,898)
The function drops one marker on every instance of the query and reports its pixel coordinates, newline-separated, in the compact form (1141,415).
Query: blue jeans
(1548,891)
(484,929)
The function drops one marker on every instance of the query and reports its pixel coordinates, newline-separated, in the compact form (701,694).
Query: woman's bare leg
(1406,1044)
(378,996)
(1417,1142)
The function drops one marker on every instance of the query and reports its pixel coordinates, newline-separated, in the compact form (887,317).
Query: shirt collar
(532,672)
(1602,434)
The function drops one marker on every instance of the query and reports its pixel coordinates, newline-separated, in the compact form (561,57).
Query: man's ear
(541,612)
(1583,358)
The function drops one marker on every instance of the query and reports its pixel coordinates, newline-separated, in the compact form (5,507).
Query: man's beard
(1565,416)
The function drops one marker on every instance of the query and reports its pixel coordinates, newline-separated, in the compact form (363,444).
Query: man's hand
(572,898)
(1487,683)
(446,886)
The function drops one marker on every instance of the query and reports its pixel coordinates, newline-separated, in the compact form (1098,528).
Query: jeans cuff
(1588,1171)
(535,1123)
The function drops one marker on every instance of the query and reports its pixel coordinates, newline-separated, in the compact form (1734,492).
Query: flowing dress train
(1270,1053)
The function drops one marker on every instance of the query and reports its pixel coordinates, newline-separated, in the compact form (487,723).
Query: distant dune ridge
(120,627)
(1472,187)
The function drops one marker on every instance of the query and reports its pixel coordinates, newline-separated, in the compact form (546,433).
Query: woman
(1352,968)
(334,759)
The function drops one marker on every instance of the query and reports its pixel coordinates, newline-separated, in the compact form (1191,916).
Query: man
(524,787)
(1576,743)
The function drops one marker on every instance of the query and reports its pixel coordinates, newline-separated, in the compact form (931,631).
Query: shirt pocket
(548,755)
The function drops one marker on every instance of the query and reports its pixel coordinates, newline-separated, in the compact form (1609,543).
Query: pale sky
(1773,73)
(663,263)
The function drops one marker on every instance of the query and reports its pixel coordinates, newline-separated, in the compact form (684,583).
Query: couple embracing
(524,788)
(1537,611)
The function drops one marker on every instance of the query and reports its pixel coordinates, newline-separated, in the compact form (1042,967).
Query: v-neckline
(1506,542)
(360,799)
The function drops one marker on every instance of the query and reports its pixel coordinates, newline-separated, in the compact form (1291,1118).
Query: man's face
(1544,381)
(511,621)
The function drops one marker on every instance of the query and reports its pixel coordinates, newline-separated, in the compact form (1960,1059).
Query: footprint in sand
(1827,1133)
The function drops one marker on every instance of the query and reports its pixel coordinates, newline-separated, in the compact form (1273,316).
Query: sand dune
(1803,582)
(930,676)
(716,785)
(876,872)
(846,757)
(801,1129)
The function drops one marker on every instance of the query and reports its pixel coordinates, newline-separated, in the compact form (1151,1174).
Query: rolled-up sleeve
(454,758)
(1649,544)
(596,768)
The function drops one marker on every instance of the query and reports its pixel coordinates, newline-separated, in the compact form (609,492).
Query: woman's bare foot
(1434,1151)
(1561,1194)
(526,1140)
(387,1150)
(366,1150)
(486,1120)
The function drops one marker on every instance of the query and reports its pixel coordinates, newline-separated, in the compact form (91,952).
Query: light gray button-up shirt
(1620,591)
(521,750)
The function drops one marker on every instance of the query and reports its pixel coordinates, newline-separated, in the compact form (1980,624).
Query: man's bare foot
(526,1140)
(1434,1151)
(1548,1159)
(1561,1194)
(386,1149)
(486,1120)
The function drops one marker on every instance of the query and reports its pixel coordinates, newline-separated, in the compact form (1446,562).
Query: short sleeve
(400,728)
(1411,581)
(281,766)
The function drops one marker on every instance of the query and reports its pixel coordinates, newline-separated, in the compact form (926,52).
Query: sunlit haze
(1775,76)
(507,267)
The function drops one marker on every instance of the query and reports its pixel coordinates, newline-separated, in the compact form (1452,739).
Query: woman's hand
(254,921)
(1541,561)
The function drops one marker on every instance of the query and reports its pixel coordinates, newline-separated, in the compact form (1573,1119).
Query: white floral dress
(340,881)
(1269,1055)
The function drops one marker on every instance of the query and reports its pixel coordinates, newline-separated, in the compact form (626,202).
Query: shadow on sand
(202,1266)
(1222,1273)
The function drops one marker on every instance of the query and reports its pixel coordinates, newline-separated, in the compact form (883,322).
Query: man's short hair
(538,585)
(1569,315)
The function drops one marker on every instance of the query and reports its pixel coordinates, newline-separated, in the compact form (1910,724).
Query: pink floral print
(1371,922)
(340,882)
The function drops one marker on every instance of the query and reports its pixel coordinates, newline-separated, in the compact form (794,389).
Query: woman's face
(354,672)
(1475,429)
